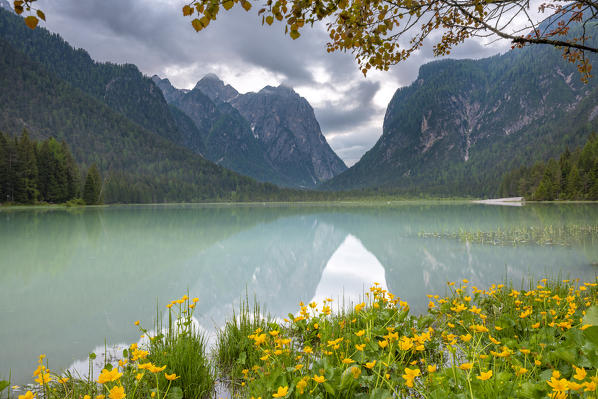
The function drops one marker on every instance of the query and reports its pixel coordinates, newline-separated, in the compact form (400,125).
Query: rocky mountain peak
(213,87)
(171,93)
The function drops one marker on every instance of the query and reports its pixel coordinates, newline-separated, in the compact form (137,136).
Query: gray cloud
(351,112)
(155,36)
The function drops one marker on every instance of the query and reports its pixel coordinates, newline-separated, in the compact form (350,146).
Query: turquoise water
(71,280)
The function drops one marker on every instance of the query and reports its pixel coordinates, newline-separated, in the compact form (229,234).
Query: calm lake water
(71,280)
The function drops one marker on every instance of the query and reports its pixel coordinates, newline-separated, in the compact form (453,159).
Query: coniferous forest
(43,171)
(573,176)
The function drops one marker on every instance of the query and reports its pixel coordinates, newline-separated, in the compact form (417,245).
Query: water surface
(71,280)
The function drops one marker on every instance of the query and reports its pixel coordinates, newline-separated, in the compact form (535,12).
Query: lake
(72,280)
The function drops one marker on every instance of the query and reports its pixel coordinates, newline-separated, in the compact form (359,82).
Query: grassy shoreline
(535,341)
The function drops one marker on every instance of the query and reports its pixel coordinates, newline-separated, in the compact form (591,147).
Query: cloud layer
(155,36)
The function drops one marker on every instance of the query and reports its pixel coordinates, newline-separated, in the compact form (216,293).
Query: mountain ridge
(448,132)
(282,121)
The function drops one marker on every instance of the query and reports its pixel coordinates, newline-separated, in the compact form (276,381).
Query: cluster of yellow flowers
(468,338)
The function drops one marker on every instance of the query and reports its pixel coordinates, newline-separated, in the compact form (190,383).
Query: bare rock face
(215,88)
(170,93)
(463,123)
(285,124)
(272,135)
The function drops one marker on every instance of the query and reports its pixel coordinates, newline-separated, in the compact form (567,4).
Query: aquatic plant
(566,235)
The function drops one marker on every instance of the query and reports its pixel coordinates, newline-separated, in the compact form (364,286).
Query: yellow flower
(561,385)
(432,368)
(356,371)
(466,366)
(117,392)
(274,333)
(383,344)
(524,351)
(298,367)
(319,378)
(536,325)
(28,395)
(348,360)
(137,323)
(590,386)
(86,397)
(138,376)
(109,376)
(521,371)
(580,373)
(484,375)
(100,396)
(466,338)
(360,347)
(156,369)
(359,307)
(360,333)
(370,365)
(43,378)
(308,349)
(405,343)
(537,362)
(301,386)
(171,377)
(412,373)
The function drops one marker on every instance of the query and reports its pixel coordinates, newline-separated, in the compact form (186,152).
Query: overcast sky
(154,35)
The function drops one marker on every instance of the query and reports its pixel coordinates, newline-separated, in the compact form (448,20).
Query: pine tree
(3,168)
(574,185)
(93,186)
(72,173)
(25,190)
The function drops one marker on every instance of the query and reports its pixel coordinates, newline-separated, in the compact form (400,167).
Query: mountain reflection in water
(74,278)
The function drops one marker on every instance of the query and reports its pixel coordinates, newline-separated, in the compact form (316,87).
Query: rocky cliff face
(463,123)
(170,93)
(215,88)
(285,124)
(227,137)
(276,130)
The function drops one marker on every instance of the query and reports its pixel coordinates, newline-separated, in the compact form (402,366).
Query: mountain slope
(122,87)
(133,159)
(282,122)
(463,123)
(285,124)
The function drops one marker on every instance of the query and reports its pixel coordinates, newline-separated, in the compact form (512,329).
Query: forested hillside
(138,165)
(464,123)
(572,176)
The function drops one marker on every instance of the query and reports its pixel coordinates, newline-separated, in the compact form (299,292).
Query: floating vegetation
(567,235)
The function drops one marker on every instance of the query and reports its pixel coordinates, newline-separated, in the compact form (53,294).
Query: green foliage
(92,190)
(182,347)
(573,177)
(36,171)
(234,349)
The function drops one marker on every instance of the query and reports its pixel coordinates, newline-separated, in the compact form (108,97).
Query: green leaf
(328,388)
(591,316)
(591,334)
(92,356)
(175,393)
(3,385)
(568,355)
(531,391)
(346,378)
(380,393)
